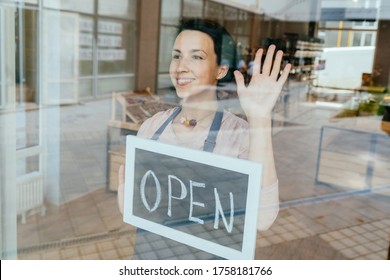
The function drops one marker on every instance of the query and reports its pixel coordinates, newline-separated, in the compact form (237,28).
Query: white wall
(344,66)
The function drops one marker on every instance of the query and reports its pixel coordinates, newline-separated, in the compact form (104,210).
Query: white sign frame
(252,169)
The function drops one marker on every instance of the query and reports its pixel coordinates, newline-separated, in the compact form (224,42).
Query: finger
(257,62)
(240,81)
(286,71)
(276,67)
(268,60)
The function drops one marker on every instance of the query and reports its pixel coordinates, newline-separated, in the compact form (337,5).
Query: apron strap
(157,134)
(211,140)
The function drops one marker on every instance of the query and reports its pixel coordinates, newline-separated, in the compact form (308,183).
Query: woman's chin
(202,93)
(184,94)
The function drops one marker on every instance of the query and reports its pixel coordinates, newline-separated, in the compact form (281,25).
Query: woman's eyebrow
(198,50)
(193,51)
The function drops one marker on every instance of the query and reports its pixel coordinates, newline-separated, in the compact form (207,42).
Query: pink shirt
(232,139)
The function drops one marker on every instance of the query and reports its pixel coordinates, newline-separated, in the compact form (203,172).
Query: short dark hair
(224,45)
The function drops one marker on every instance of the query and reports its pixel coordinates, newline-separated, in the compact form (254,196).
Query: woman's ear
(222,71)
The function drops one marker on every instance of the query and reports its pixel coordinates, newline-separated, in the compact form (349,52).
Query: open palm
(259,97)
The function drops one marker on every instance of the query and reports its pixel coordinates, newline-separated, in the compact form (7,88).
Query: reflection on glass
(86,27)
(192,8)
(114,84)
(26,58)
(118,8)
(1,62)
(357,36)
(115,50)
(244,23)
(87,6)
(230,18)
(170,11)
(368,40)
(214,11)
(115,46)
(27,165)
(27,129)
(85,88)
(243,42)
(167,38)
(346,155)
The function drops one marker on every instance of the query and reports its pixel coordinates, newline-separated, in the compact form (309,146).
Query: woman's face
(194,67)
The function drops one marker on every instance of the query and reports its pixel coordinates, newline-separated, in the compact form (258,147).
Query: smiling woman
(196,67)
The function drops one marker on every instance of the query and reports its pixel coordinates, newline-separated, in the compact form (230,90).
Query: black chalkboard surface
(198,198)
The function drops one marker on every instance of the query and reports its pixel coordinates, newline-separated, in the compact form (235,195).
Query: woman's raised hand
(259,97)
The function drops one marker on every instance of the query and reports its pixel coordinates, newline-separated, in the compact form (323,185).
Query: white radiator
(30,194)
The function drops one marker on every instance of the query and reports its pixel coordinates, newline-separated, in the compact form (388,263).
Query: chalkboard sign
(198,198)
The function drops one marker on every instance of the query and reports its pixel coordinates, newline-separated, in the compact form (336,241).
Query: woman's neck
(198,109)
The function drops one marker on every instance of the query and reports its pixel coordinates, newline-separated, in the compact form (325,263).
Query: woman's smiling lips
(183,81)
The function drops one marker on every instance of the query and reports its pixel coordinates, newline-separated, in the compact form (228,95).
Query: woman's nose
(182,65)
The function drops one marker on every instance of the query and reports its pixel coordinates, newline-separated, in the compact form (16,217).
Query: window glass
(27,129)
(357,37)
(243,43)
(214,11)
(329,24)
(27,165)
(368,40)
(85,88)
(230,18)
(87,6)
(168,35)
(244,23)
(170,11)
(2,60)
(329,37)
(31,1)
(118,8)
(86,41)
(115,84)
(192,8)
(328,129)
(115,46)
(347,34)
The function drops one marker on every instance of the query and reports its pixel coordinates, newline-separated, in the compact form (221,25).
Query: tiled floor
(316,221)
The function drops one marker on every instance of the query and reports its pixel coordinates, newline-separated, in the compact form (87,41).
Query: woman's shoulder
(162,114)
(150,125)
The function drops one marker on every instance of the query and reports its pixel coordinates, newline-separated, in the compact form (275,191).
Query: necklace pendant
(192,122)
(188,123)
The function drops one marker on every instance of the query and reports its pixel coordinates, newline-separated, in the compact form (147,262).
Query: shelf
(308,67)
(307,54)
(131,109)
(371,89)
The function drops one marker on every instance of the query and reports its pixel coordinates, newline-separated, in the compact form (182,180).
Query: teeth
(183,81)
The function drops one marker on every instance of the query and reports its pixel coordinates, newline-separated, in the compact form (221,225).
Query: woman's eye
(197,57)
(175,56)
